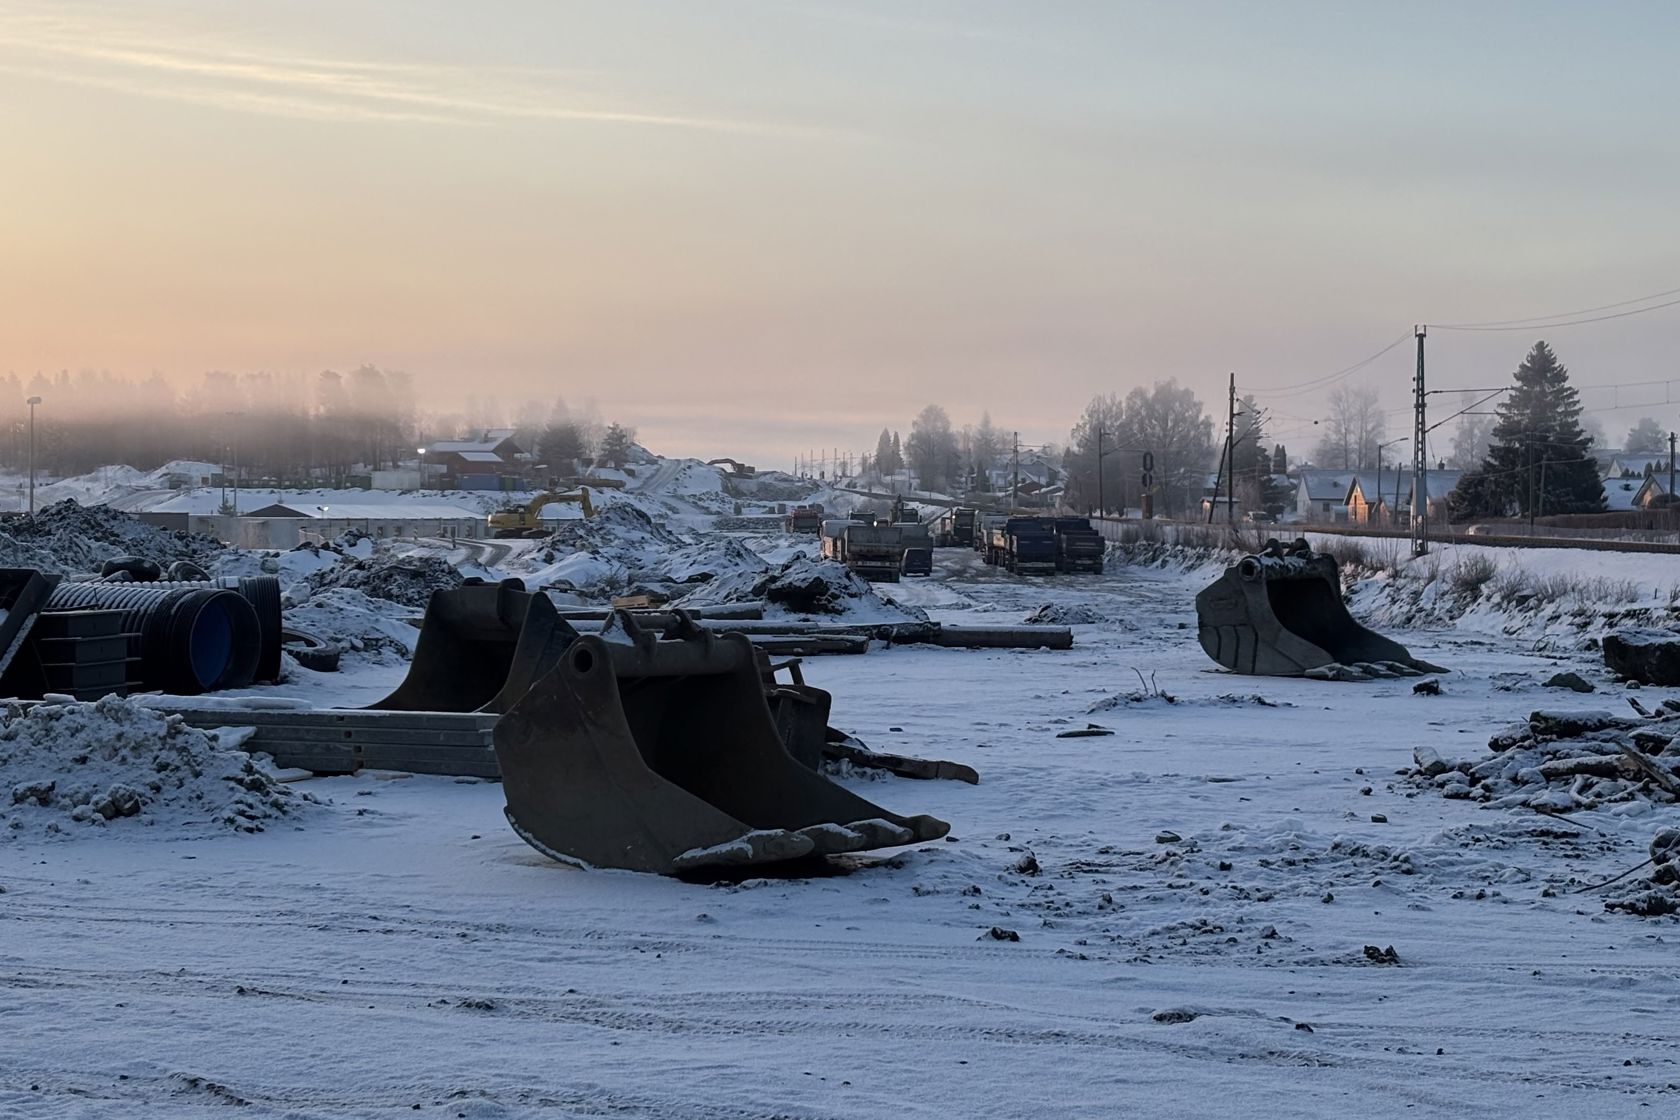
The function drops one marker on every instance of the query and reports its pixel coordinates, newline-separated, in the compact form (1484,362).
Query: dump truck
(916,544)
(1024,545)
(1079,547)
(1280,613)
(963,522)
(984,523)
(805,519)
(874,552)
(526,520)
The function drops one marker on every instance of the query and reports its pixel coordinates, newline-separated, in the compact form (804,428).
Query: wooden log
(1597,765)
(1658,773)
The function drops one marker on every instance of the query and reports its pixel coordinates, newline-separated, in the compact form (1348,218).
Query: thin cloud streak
(323,89)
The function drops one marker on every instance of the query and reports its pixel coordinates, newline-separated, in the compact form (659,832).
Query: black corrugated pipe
(188,638)
(263,593)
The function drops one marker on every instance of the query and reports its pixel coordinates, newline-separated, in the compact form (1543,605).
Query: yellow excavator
(526,520)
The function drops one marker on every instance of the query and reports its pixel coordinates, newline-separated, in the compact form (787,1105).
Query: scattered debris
(998,933)
(1575,682)
(1430,687)
(1090,730)
(1563,761)
(1381,956)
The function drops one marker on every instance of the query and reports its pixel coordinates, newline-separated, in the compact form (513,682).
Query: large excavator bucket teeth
(481,647)
(661,755)
(1280,613)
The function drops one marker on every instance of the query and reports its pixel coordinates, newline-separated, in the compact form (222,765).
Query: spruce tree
(1540,458)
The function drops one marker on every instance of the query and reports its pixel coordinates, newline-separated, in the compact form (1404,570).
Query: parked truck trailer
(1079,547)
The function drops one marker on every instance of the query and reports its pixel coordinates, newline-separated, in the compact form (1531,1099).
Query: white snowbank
(116,763)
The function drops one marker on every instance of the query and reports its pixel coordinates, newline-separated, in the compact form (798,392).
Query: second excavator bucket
(662,755)
(480,648)
(1280,613)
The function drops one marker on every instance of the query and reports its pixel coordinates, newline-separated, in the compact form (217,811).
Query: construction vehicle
(964,519)
(736,469)
(874,552)
(916,548)
(1280,613)
(1079,548)
(647,752)
(1024,545)
(526,520)
(984,523)
(805,519)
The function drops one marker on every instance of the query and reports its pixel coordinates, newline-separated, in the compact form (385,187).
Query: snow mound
(409,580)
(378,630)
(70,537)
(117,764)
(622,550)
(803,586)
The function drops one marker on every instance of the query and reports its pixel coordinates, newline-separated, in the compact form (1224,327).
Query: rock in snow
(1648,656)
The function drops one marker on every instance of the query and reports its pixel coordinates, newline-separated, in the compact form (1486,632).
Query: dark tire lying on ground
(310,652)
(135,567)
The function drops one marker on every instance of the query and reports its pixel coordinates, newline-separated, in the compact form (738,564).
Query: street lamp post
(422,453)
(32,402)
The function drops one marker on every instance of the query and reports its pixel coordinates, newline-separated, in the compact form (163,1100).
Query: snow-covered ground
(1193,897)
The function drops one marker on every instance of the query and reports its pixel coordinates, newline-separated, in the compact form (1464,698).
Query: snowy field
(1194,896)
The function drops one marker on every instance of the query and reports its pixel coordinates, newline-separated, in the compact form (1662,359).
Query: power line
(1513,324)
(1533,325)
(1329,378)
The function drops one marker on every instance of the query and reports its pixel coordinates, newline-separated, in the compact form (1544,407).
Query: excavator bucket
(481,647)
(662,755)
(1280,613)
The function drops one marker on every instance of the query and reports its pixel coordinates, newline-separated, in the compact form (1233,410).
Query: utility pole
(1102,509)
(1420,456)
(32,402)
(1015,496)
(1671,474)
(1231,455)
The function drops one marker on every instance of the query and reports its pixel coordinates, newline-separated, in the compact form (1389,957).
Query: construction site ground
(1193,898)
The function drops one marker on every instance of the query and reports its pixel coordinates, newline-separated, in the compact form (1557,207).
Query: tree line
(291,428)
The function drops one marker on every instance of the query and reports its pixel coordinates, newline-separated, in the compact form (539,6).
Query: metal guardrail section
(1113,529)
(1495,540)
(335,741)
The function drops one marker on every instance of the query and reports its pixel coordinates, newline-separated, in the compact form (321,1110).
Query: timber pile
(1561,762)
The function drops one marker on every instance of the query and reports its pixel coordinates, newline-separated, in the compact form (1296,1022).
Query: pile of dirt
(117,764)
(804,586)
(70,537)
(409,580)
(1065,614)
(1558,762)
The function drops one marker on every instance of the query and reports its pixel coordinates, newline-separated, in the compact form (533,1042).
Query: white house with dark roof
(1321,495)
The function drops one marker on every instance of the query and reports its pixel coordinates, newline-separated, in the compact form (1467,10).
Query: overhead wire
(1490,324)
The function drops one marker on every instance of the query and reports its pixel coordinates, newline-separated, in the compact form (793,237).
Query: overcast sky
(753,227)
